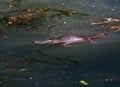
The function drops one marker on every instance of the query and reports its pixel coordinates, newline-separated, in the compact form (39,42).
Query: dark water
(57,66)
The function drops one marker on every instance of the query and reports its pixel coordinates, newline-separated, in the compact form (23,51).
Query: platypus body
(69,39)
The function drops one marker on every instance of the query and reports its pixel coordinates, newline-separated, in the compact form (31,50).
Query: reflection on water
(52,65)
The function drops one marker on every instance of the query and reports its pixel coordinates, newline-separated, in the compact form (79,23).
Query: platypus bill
(69,39)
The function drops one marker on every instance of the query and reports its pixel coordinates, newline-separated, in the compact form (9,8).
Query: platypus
(69,39)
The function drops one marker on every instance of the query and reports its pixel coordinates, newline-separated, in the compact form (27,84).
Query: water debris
(20,19)
(25,16)
(83,82)
(23,70)
(116,28)
(14,4)
(107,21)
(71,12)
(44,10)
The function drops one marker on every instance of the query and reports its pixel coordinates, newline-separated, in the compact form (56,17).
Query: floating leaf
(22,69)
(83,82)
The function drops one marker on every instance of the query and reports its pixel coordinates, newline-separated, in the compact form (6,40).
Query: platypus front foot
(91,41)
(65,44)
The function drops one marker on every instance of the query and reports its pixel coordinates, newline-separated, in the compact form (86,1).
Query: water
(57,66)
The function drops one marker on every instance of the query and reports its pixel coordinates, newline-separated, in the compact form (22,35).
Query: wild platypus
(69,39)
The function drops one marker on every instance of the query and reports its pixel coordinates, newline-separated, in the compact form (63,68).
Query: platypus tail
(97,36)
(91,38)
(41,41)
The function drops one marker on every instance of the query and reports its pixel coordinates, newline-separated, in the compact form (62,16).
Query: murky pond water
(25,64)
